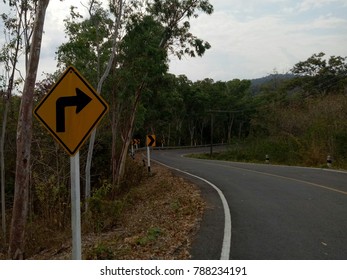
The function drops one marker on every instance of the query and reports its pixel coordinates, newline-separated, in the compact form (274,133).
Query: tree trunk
(202,132)
(169,136)
(114,154)
(7,100)
(128,135)
(24,136)
(240,129)
(114,126)
(230,126)
(191,132)
(103,78)
(2,162)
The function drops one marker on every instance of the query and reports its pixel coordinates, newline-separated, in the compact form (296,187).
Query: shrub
(102,212)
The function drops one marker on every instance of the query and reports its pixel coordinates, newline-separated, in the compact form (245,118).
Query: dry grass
(158,221)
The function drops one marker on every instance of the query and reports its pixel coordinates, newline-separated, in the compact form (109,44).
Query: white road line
(225,253)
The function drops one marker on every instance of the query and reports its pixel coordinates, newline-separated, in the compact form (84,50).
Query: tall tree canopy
(317,75)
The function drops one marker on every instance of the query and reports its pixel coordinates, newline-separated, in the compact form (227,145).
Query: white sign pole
(148,159)
(75,207)
(132,151)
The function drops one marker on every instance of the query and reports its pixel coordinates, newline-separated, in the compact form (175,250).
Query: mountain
(256,84)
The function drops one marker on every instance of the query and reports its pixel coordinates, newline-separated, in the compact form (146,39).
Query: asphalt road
(277,212)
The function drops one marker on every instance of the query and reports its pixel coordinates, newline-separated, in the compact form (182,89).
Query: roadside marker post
(148,160)
(150,142)
(329,161)
(70,111)
(267,159)
(132,153)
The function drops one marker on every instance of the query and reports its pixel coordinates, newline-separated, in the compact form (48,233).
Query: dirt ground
(159,222)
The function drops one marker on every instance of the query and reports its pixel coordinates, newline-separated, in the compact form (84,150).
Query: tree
(117,8)
(164,109)
(317,75)
(174,17)
(139,55)
(90,42)
(92,48)
(238,102)
(17,32)
(24,136)
(9,57)
(143,23)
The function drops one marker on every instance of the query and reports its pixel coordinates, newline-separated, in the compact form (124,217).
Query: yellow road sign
(71,110)
(150,141)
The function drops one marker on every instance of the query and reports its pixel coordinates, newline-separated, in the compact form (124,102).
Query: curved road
(277,212)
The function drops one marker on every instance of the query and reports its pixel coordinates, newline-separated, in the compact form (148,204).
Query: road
(277,212)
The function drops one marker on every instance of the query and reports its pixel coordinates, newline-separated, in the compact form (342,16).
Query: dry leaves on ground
(159,221)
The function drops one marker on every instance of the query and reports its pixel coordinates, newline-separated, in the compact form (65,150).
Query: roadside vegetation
(298,118)
(123,51)
(152,217)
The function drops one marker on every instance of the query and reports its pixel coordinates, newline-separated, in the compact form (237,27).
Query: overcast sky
(249,38)
(252,38)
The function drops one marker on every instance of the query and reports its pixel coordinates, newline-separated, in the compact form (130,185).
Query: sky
(249,38)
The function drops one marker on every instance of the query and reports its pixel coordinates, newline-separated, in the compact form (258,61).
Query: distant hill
(256,84)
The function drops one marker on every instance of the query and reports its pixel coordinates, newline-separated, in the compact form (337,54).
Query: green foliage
(89,45)
(100,251)
(318,76)
(340,139)
(103,212)
(174,16)
(107,201)
(140,55)
(134,173)
(297,120)
(151,235)
(178,110)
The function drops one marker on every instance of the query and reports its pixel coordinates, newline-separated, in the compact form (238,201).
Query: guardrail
(181,147)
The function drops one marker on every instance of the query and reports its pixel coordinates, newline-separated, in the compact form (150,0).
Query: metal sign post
(150,142)
(75,207)
(148,160)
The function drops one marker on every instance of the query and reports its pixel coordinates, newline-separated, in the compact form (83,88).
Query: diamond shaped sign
(71,110)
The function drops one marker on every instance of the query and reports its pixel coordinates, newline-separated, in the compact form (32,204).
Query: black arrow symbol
(152,140)
(81,100)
